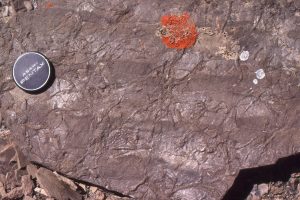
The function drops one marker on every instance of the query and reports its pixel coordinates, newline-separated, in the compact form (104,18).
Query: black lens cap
(32,71)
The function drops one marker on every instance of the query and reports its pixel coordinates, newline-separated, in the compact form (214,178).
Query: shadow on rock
(280,171)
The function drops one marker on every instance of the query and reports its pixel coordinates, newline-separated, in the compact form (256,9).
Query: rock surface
(27,185)
(54,187)
(128,114)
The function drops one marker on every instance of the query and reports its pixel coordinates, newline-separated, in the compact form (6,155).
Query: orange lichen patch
(178,31)
(49,5)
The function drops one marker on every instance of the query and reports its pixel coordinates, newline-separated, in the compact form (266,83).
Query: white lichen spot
(260,74)
(244,55)
(255,81)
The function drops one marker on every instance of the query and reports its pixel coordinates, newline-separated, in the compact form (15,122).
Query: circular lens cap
(31,71)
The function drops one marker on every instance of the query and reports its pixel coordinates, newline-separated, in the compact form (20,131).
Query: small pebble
(34,3)
(28,5)
(255,81)
(244,55)
(5,11)
(41,191)
(260,74)
(12,11)
(263,189)
(93,189)
(83,186)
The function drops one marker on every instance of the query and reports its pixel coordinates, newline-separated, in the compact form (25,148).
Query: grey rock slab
(54,187)
(31,170)
(27,185)
(135,117)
